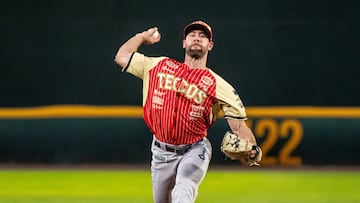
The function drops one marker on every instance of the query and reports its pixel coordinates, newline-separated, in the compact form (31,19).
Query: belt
(178,150)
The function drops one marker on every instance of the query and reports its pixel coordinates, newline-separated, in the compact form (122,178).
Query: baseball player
(180,102)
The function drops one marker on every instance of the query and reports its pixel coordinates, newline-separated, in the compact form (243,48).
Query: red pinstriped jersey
(178,100)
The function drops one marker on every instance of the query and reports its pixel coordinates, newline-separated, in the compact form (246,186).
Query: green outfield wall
(289,136)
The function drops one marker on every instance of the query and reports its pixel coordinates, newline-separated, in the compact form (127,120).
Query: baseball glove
(239,149)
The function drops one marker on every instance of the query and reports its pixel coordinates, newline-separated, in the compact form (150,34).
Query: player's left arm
(240,128)
(234,111)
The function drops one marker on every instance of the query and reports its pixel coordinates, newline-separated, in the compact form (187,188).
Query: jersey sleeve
(139,64)
(229,100)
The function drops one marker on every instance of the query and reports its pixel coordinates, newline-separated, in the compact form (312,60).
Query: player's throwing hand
(151,36)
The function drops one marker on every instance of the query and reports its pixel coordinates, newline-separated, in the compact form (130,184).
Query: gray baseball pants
(177,171)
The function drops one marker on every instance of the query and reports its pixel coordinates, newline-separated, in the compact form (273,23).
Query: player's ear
(183,44)
(211,45)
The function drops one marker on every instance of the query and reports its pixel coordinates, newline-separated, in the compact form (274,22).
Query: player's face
(197,44)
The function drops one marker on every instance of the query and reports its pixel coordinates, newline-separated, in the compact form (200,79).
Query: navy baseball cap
(198,25)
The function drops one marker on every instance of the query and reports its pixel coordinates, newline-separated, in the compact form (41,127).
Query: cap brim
(192,27)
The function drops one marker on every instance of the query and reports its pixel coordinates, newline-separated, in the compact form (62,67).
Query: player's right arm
(126,50)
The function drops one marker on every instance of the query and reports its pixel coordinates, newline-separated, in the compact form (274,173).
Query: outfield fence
(73,134)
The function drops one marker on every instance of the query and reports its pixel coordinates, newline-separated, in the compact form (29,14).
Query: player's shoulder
(221,83)
(149,57)
(215,75)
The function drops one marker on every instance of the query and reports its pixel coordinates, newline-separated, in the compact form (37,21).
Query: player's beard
(195,53)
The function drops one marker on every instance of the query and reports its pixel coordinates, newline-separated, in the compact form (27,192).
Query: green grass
(95,186)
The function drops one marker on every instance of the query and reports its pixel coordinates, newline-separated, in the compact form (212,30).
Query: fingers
(251,154)
(152,30)
(152,35)
(254,152)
